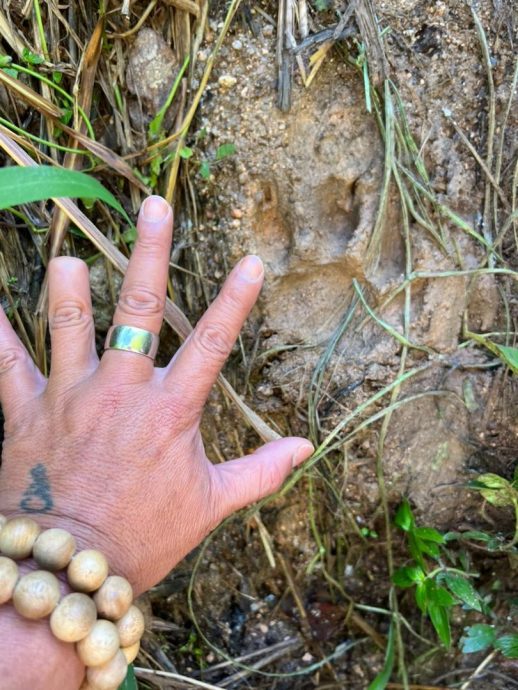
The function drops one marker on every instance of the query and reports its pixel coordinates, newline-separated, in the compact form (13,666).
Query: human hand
(111,449)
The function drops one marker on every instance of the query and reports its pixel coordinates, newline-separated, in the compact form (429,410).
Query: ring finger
(142,296)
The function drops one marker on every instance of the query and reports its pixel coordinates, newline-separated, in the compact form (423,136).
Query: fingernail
(302,453)
(154,209)
(251,268)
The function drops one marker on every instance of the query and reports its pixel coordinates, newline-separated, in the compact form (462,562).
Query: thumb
(244,481)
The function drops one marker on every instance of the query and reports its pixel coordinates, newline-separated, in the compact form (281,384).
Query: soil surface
(303,192)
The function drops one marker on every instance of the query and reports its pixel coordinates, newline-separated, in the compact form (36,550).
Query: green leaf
(438,595)
(464,590)
(404,517)
(441,623)
(186,152)
(130,682)
(224,151)
(11,72)
(429,534)
(414,546)
(421,597)
(5,60)
(469,534)
(35,183)
(408,576)
(495,489)
(31,58)
(205,170)
(508,645)
(477,638)
(130,235)
(428,547)
(383,677)
(509,355)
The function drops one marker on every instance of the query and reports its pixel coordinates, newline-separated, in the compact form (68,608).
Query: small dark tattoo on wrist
(37,497)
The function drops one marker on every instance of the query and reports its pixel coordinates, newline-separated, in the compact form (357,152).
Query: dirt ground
(295,596)
(303,192)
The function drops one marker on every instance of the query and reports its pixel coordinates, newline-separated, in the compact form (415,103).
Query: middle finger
(142,296)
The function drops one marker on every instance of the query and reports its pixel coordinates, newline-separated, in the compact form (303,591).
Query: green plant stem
(444,569)
(39,140)
(41,29)
(61,91)
(155,125)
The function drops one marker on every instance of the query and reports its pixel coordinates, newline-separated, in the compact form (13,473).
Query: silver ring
(132,339)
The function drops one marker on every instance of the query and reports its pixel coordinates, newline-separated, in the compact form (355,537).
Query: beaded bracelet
(106,626)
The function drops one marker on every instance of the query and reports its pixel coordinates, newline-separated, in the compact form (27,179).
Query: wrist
(86,537)
(30,655)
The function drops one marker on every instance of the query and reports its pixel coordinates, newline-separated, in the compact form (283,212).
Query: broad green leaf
(22,185)
(383,677)
(408,576)
(438,595)
(130,682)
(429,534)
(186,152)
(495,489)
(204,170)
(428,547)
(224,151)
(404,517)
(5,60)
(477,638)
(441,623)
(508,645)
(464,590)
(421,597)
(414,546)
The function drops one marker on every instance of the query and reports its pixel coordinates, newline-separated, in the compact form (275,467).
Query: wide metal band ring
(132,339)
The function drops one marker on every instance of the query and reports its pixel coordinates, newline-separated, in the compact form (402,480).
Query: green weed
(441,579)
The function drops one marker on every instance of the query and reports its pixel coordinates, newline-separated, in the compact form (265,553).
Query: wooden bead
(100,645)
(8,578)
(110,675)
(53,549)
(36,594)
(131,626)
(87,570)
(131,652)
(114,598)
(18,536)
(73,617)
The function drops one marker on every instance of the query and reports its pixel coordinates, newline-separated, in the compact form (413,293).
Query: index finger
(196,366)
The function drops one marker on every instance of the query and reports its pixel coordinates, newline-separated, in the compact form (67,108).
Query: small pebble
(237,45)
(227,82)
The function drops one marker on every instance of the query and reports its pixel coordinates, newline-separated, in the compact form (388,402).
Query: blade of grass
(21,185)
